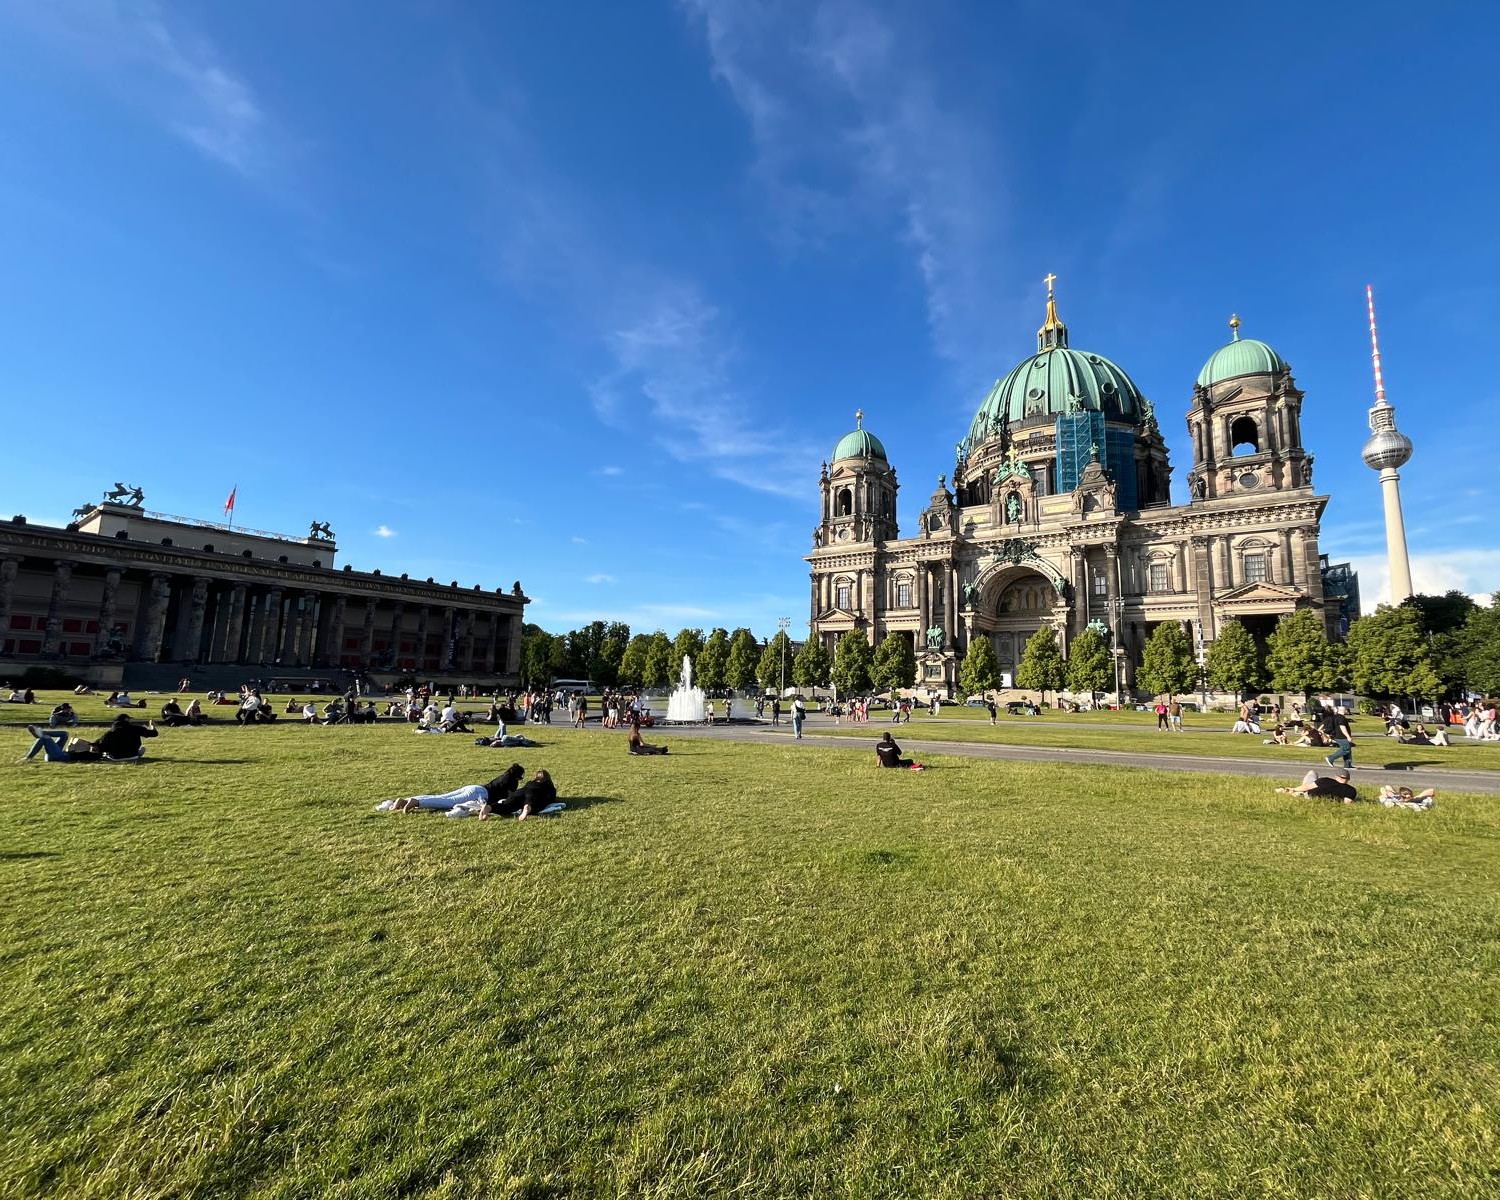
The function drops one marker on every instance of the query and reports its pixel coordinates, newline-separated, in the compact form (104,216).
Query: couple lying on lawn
(503,795)
(122,740)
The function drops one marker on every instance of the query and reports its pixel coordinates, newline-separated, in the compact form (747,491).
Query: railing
(220,525)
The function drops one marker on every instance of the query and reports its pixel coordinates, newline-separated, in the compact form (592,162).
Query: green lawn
(761,971)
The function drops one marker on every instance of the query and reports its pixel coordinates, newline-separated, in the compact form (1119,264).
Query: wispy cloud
(578,541)
(156,63)
(1475,572)
(672,355)
(850,131)
(599,577)
(384,531)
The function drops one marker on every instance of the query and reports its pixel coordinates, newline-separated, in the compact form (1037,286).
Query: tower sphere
(1387,448)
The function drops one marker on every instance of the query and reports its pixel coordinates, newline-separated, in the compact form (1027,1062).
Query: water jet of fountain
(686,702)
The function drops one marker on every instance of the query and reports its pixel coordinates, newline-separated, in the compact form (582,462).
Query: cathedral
(1059,513)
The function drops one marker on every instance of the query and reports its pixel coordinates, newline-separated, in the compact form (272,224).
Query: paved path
(1369,778)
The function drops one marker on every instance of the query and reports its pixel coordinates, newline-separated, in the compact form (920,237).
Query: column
(239,599)
(424,622)
(489,652)
(270,625)
(1111,589)
(398,617)
(156,617)
(306,636)
(367,632)
(466,643)
(1182,559)
(286,644)
(867,599)
(331,649)
(62,579)
(950,608)
(924,610)
(513,647)
(192,646)
(1288,574)
(107,611)
(8,569)
(1225,579)
(450,635)
(1203,588)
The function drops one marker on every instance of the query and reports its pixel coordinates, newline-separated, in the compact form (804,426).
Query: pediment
(1259,593)
(837,614)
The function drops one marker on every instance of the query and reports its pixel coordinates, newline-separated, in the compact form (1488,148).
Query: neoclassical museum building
(121,588)
(1059,513)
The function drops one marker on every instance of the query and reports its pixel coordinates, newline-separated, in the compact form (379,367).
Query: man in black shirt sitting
(122,740)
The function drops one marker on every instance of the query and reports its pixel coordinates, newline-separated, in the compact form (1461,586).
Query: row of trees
(607,654)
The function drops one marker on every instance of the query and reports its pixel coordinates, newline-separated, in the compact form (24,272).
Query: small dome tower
(859,491)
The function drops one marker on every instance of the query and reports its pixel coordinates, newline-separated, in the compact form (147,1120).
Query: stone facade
(123,586)
(1042,526)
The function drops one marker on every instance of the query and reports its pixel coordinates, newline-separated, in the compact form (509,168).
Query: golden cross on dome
(859,416)
(1049,281)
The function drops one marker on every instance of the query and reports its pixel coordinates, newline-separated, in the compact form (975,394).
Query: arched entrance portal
(1014,603)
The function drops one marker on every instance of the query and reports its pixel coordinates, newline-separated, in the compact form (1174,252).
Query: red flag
(229,504)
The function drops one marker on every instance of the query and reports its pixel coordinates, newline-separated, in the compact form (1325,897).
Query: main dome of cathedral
(1058,380)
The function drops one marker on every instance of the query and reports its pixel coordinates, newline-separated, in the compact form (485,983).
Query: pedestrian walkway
(1442,778)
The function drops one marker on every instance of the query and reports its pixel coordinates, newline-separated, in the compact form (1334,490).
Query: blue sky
(582,293)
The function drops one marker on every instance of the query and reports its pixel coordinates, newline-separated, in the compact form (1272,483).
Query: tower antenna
(1375,347)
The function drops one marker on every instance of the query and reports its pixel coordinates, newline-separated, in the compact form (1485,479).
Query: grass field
(754,970)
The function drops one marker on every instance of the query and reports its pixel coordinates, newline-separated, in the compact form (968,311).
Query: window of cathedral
(1244,437)
(844,502)
(1158,577)
(903,595)
(1101,585)
(841,596)
(1255,568)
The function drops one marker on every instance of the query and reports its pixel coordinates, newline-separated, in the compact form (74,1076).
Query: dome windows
(1244,437)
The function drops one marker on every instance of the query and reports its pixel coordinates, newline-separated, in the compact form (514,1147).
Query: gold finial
(1049,281)
(859,418)
(1053,332)
(1234,325)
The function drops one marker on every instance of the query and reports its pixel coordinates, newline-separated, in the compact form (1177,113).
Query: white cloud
(384,531)
(578,541)
(163,67)
(1475,572)
(611,470)
(835,93)
(600,577)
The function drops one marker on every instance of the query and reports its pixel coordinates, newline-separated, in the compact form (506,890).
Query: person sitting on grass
(83,689)
(120,741)
(1313,784)
(1278,736)
(62,715)
(20,696)
(194,713)
(172,714)
(254,710)
(454,721)
(1403,797)
(889,754)
(636,746)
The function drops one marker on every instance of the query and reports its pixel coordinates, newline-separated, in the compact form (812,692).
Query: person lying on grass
(636,746)
(122,740)
(1313,784)
(889,754)
(505,794)
(1404,797)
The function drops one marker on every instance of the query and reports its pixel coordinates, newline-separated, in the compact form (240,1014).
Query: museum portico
(1059,514)
(122,586)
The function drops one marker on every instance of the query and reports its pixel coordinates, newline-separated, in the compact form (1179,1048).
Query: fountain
(686,703)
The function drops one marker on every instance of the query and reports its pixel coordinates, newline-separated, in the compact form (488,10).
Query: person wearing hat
(1336,788)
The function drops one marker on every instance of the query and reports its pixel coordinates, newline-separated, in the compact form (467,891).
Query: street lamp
(784,623)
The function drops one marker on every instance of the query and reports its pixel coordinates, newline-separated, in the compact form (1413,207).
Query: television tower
(1387,449)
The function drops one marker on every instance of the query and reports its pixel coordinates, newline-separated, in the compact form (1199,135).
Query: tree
(1298,655)
(1390,656)
(710,667)
(536,656)
(775,661)
(980,670)
(660,669)
(851,664)
(811,667)
(1233,661)
(633,662)
(739,671)
(1042,668)
(1442,614)
(1479,648)
(605,667)
(894,665)
(1168,665)
(1089,667)
(688,643)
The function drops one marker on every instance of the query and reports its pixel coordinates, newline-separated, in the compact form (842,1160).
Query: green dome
(1059,381)
(859,444)
(1243,356)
